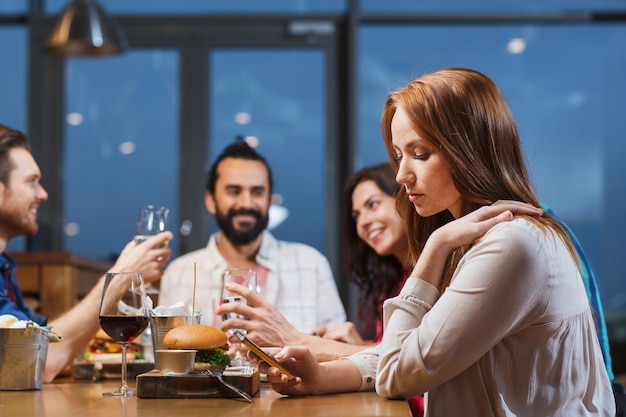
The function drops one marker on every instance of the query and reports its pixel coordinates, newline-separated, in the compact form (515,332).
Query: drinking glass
(247,278)
(151,221)
(123,315)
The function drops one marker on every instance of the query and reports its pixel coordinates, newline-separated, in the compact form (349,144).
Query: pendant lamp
(85,29)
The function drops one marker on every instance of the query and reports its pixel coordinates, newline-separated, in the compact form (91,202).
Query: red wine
(123,329)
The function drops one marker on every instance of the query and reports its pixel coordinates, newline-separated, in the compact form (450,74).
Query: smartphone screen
(261,354)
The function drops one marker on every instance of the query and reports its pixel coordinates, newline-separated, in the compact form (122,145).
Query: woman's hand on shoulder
(464,231)
(468,228)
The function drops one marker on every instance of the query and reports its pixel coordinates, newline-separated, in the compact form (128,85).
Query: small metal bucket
(23,354)
(160,325)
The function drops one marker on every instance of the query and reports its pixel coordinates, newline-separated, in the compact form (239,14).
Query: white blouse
(513,335)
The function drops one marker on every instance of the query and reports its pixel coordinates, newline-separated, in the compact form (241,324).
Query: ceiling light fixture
(85,29)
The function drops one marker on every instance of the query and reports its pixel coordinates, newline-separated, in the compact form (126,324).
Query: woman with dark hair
(494,319)
(378,258)
(377,249)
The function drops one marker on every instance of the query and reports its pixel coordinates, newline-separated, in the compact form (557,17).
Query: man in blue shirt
(20,196)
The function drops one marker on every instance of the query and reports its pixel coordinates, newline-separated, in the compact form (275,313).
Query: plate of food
(103,359)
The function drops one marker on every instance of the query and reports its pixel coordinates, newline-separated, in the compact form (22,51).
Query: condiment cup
(176,361)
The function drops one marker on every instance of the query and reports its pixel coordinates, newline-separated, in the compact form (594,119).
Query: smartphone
(261,354)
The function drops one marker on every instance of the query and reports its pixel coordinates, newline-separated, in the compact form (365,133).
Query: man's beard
(13,225)
(249,232)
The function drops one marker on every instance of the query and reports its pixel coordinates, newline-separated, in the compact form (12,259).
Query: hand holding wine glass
(246,278)
(123,315)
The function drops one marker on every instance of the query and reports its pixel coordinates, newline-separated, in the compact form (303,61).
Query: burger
(210,342)
(103,349)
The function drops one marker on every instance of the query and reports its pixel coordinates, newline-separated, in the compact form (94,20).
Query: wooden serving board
(154,384)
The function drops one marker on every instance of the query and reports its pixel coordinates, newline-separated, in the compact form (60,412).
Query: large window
(282,112)
(13,86)
(13,6)
(144,126)
(13,48)
(121,147)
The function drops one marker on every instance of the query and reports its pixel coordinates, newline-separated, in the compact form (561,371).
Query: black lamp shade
(85,29)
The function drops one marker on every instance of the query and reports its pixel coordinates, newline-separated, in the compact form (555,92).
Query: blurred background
(305,81)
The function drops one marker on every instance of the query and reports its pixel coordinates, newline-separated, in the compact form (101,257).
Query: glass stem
(124,386)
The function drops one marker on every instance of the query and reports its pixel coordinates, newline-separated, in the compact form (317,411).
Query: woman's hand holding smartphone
(261,354)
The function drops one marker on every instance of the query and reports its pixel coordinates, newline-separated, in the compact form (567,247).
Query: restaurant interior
(134,112)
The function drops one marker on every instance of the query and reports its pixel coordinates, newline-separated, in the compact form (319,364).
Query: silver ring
(159,258)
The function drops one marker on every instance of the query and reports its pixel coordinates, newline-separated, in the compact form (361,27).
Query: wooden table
(67,397)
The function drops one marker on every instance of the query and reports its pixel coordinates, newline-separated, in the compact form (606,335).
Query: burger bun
(108,357)
(195,336)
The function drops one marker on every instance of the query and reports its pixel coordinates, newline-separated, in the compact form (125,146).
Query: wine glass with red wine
(123,315)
